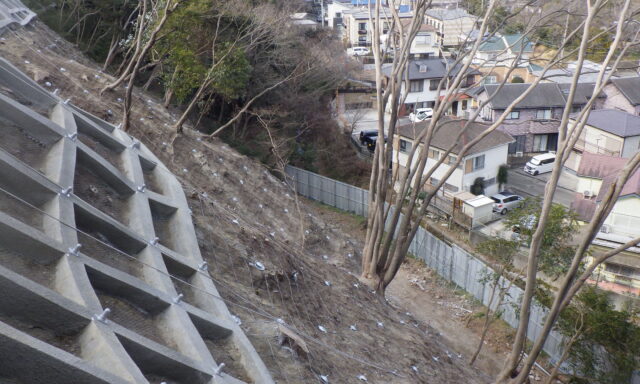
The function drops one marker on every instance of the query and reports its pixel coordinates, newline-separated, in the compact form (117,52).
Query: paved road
(528,185)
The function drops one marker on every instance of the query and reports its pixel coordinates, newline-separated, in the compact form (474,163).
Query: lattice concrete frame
(66,304)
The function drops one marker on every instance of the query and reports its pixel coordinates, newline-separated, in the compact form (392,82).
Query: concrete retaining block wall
(68,178)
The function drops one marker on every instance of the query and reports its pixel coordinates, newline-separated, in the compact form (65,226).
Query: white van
(540,164)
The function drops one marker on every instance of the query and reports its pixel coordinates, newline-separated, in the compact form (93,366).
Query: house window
(471,80)
(433,84)
(416,85)
(452,159)
(543,114)
(434,154)
(513,115)
(423,68)
(362,26)
(490,79)
(405,146)
(576,109)
(474,164)
(545,143)
(423,40)
(518,145)
(478,162)
(464,105)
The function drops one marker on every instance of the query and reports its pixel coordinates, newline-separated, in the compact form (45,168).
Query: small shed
(478,208)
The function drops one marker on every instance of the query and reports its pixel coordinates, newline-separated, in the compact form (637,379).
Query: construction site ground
(278,259)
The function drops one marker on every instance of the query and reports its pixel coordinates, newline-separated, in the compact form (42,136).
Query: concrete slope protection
(101,275)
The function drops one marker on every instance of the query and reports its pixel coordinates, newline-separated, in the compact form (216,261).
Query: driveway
(367,119)
(527,185)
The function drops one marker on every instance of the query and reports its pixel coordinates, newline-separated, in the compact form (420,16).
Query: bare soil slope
(271,257)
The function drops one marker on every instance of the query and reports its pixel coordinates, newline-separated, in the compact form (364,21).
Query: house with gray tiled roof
(481,161)
(534,121)
(420,88)
(607,132)
(595,176)
(623,94)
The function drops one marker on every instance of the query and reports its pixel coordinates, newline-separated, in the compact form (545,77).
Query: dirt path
(439,307)
(433,301)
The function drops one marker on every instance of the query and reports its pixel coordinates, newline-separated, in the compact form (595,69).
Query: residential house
(358,29)
(623,94)
(423,77)
(335,10)
(481,161)
(424,45)
(534,121)
(595,175)
(498,54)
(607,132)
(452,25)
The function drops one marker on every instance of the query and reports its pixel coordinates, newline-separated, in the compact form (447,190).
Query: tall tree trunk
(168,8)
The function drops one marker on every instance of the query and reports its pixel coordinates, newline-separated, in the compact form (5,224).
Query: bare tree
(155,18)
(355,116)
(389,233)
(572,280)
(391,227)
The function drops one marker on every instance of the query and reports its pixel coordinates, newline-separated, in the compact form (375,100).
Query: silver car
(506,201)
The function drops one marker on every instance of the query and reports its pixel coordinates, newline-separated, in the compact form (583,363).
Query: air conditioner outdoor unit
(519,154)
(587,194)
(605,229)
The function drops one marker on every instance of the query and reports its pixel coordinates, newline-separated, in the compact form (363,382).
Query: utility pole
(322,13)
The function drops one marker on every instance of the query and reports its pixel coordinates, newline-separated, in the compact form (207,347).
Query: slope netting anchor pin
(177,299)
(218,370)
(204,266)
(154,241)
(103,316)
(75,251)
(67,192)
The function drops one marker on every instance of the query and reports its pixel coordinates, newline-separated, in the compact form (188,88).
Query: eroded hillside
(272,257)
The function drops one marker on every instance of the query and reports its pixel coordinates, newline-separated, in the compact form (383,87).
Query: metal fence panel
(451,262)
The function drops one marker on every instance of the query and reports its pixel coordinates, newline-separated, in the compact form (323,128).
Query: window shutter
(468,165)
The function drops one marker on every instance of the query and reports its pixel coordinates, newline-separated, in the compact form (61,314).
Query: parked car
(358,51)
(420,114)
(540,164)
(506,201)
(367,133)
(526,222)
(370,142)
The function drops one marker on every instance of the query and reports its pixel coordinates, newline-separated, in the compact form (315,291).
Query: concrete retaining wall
(68,178)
